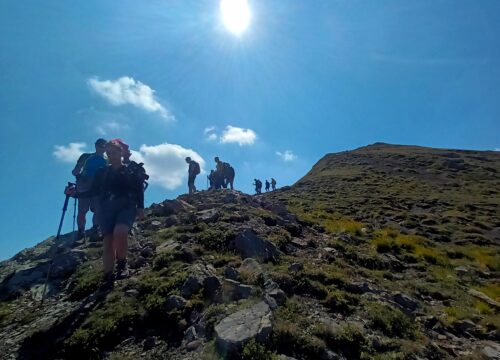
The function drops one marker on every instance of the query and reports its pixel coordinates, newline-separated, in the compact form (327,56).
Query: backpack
(136,172)
(196,168)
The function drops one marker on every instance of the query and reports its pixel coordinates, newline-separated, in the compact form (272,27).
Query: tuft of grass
(332,222)
(87,279)
(256,351)
(5,312)
(341,302)
(487,257)
(348,338)
(492,290)
(391,322)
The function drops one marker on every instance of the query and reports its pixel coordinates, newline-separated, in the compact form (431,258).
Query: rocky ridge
(307,272)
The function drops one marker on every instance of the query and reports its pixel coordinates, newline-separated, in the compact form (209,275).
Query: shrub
(348,338)
(391,322)
(341,302)
(256,351)
(215,239)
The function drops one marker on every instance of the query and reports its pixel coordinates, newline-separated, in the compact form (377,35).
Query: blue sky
(306,78)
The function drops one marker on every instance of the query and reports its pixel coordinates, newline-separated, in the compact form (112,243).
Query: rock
(278,295)
(147,252)
(405,301)
(211,287)
(208,216)
(193,345)
(464,326)
(300,243)
(190,334)
(175,302)
(192,285)
(231,273)
(293,228)
(148,343)
(202,277)
(284,357)
(360,288)
(65,264)
(237,329)
(462,270)
(269,300)
(171,221)
(491,350)
(296,267)
(233,290)
(155,224)
(248,244)
(250,268)
(484,297)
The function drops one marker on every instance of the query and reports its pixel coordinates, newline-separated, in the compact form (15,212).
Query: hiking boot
(122,271)
(95,234)
(108,281)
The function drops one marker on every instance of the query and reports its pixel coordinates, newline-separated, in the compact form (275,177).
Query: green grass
(86,280)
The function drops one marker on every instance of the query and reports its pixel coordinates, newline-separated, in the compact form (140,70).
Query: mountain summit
(384,252)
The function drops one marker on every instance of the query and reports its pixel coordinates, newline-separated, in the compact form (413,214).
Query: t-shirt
(92,164)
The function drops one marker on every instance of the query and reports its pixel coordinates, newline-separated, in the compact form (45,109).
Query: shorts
(112,212)
(86,204)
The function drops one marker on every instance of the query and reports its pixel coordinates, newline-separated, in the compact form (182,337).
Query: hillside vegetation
(384,252)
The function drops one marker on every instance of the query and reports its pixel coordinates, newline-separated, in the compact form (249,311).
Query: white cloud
(126,90)
(166,164)
(111,127)
(210,133)
(212,137)
(209,129)
(233,134)
(286,156)
(69,153)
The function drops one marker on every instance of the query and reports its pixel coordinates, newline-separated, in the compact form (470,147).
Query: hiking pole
(74,214)
(68,191)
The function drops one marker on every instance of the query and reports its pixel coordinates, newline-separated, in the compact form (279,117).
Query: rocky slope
(385,252)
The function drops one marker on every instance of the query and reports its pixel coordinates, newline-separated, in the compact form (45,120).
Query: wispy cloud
(496,149)
(105,123)
(111,128)
(287,155)
(407,60)
(209,129)
(166,164)
(210,133)
(241,136)
(126,90)
(69,153)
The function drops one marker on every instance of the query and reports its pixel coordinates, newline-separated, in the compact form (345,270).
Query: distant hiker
(193,170)
(273,184)
(84,171)
(258,186)
(120,189)
(226,172)
(211,180)
(267,185)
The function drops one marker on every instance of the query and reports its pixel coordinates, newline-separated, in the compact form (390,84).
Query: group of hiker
(258,185)
(112,186)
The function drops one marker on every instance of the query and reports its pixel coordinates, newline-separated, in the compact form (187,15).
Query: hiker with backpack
(258,186)
(85,169)
(273,184)
(120,190)
(193,170)
(267,185)
(226,172)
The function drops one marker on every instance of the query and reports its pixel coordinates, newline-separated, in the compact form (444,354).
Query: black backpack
(136,172)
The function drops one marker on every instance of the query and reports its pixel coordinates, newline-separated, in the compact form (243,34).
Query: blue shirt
(93,163)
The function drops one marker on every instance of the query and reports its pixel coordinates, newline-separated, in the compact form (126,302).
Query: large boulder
(249,245)
(202,277)
(234,331)
(234,290)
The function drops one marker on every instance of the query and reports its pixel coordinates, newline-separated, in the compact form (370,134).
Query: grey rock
(175,302)
(190,334)
(269,300)
(233,290)
(208,216)
(491,350)
(212,286)
(405,301)
(231,273)
(237,329)
(155,224)
(284,357)
(296,267)
(193,345)
(171,221)
(360,288)
(248,244)
(192,285)
(65,264)
(278,295)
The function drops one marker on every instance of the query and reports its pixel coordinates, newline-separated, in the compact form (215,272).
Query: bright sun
(235,15)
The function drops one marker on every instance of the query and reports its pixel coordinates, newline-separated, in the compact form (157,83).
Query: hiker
(84,171)
(120,189)
(258,186)
(211,180)
(226,172)
(273,184)
(267,185)
(193,170)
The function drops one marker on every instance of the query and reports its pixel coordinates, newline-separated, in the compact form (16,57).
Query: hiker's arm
(78,166)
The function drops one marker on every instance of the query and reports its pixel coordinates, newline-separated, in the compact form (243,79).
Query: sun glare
(235,15)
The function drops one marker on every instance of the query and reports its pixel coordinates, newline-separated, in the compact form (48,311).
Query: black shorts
(112,212)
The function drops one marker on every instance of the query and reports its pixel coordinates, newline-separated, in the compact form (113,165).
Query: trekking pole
(74,214)
(67,192)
